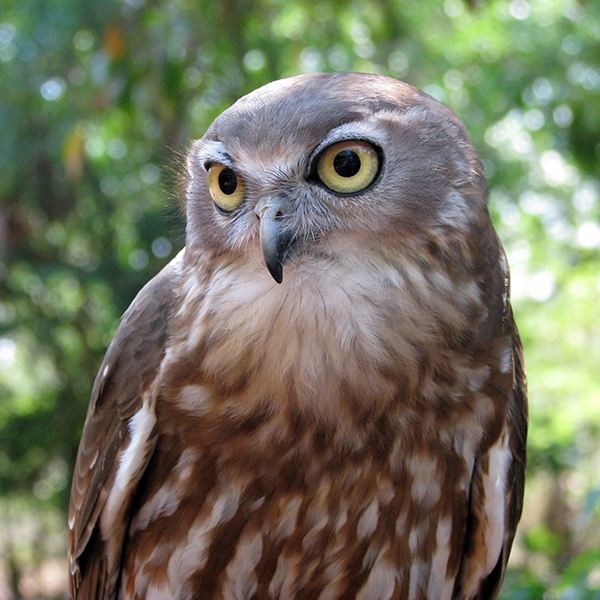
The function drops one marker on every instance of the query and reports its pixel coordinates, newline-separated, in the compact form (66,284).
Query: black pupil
(228,181)
(346,163)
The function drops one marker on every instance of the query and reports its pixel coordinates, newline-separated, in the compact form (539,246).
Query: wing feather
(476,580)
(128,370)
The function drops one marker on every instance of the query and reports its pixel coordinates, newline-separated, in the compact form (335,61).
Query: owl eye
(226,188)
(348,167)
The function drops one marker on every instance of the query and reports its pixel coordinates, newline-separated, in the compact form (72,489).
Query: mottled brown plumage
(323,395)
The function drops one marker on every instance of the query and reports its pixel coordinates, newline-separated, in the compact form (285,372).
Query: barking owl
(323,396)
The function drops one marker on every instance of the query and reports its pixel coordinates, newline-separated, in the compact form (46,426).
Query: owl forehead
(287,119)
(289,151)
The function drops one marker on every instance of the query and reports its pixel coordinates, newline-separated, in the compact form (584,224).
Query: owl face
(316,167)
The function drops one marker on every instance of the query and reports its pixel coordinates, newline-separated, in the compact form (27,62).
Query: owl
(323,395)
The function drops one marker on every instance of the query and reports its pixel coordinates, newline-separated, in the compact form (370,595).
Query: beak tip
(276,271)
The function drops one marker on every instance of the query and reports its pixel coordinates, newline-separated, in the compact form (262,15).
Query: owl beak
(274,242)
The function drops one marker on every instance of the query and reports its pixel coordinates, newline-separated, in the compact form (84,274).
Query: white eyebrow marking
(366,129)
(213,151)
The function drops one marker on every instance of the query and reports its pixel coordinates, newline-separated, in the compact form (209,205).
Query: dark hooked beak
(274,241)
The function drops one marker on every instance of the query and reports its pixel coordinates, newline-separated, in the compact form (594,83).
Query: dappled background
(99,101)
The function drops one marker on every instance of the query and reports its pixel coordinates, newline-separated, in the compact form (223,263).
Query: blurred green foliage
(98,103)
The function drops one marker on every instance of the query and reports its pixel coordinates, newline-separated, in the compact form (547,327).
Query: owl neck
(332,335)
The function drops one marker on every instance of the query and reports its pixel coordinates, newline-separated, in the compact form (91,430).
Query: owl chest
(349,334)
(242,519)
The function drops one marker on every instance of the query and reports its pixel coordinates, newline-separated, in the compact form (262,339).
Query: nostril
(273,208)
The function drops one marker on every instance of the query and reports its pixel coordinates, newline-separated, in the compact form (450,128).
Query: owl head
(319,168)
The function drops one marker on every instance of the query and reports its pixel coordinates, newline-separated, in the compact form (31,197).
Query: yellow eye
(226,188)
(348,167)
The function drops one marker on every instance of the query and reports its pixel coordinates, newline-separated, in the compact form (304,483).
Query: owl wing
(124,380)
(497,489)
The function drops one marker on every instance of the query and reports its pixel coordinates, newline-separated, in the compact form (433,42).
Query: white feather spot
(506,360)
(478,377)
(417,580)
(93,462)
(155,592)
(166,500)
(440,586)
(131,462)
(333,575)
(425,488)
(368,521)
(140,428)
(341,520)
(494,488)
(143,576)
(285,575)
(160,553)
(401,524)
(413,540)
(379,585)
(241,581)
(163,503)
(226,506)
(493,510)
(194,399)
(287,524)
(312,537)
